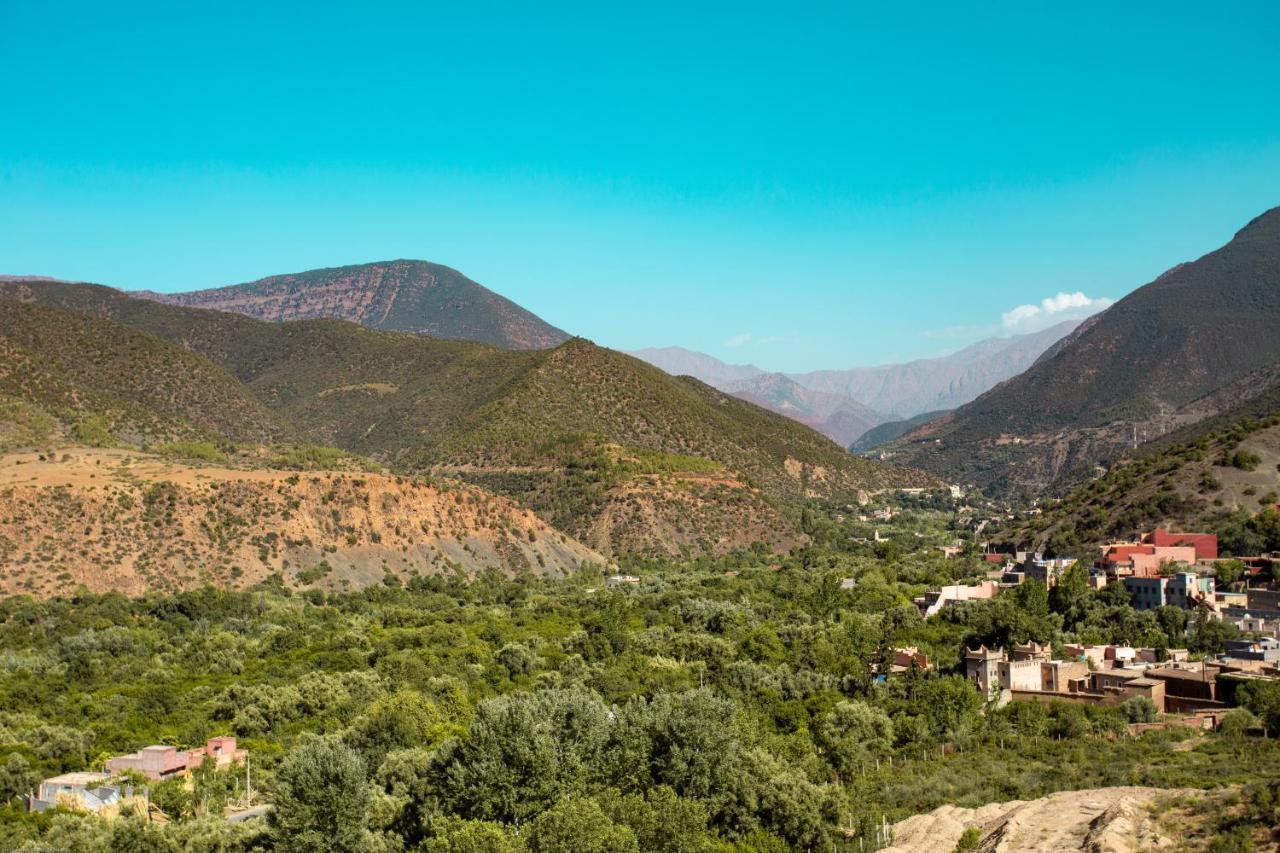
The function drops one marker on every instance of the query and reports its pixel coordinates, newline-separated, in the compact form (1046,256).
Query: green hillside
(596,441)
(95,378)
(1222,475)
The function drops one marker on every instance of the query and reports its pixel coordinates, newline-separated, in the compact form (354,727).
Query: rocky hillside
(600,444)
(1221,475)
(402,296)
(133,522)
(1103,820)
(1177,350)
(888,431)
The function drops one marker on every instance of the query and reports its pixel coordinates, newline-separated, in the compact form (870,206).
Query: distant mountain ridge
(845,404)
(1198,340)
(397,296)
(931,384)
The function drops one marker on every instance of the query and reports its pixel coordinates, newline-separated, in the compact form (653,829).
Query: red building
(1206,544)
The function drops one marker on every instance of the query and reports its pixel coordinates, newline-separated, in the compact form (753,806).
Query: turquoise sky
(797,185)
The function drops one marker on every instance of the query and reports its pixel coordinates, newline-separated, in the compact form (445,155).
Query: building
(1205,544)
(1266,650)
(1144,561)
(933,601)
(165,762)
(75,791)
(1188,687)
(615,581)
(982,668)
(1035,567)
(1185,589)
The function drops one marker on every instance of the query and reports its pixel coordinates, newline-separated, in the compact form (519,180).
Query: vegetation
(723,704)
(558,430)
(1210,481)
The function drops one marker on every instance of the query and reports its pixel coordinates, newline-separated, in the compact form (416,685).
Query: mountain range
(607,450)
(845,404)
(1197,342)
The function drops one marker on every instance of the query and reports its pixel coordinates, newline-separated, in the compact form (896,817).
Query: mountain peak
(1264,224)
(400,295)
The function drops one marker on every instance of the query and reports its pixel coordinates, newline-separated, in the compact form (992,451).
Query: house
(903,659)
(1185,590)
(165,762)
(615,581)
(75,791)
(1144,561)
(1205,544)
(981,667)
(933,601)
(1266,650)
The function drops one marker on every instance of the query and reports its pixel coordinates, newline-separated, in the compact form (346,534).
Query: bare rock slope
(1103,820)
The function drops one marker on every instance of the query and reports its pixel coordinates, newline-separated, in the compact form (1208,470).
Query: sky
(796,185)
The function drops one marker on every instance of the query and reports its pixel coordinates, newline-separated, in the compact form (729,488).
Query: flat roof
(84,777)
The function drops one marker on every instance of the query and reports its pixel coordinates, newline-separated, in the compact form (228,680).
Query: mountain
(1221,474)
(844,404)
(403,296)
(605,447)
(933,384)
(839,418)
(1185,347)
(888,431)
(679,361)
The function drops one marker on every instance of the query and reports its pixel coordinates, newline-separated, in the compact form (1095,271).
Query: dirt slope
(1104,820)
(126,521)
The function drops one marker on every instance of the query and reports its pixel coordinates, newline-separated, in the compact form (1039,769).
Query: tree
(522,753)
(661,820)
(579,826)
(454,835)
(322,799)
(399,721)
(16,777)
(1263,699)
(853,734)
(1070,595)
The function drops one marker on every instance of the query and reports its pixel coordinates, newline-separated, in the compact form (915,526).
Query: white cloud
(745,338)
(1051,310)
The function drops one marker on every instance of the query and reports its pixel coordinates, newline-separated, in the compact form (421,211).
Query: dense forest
(733,704)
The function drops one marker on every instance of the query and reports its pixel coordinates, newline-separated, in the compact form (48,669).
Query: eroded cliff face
(405,296)
(125,521)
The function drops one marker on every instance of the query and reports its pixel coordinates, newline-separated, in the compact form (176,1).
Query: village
(1161,569)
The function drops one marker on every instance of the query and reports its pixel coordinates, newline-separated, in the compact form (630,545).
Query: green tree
(454,835)
(853,734)
(321,800)
(16,777)
(579,826)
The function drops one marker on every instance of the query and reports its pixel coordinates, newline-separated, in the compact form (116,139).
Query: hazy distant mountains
(845,404)
(394,296)
(1199,341)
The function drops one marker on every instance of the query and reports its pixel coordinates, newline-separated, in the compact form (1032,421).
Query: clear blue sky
(796,185)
